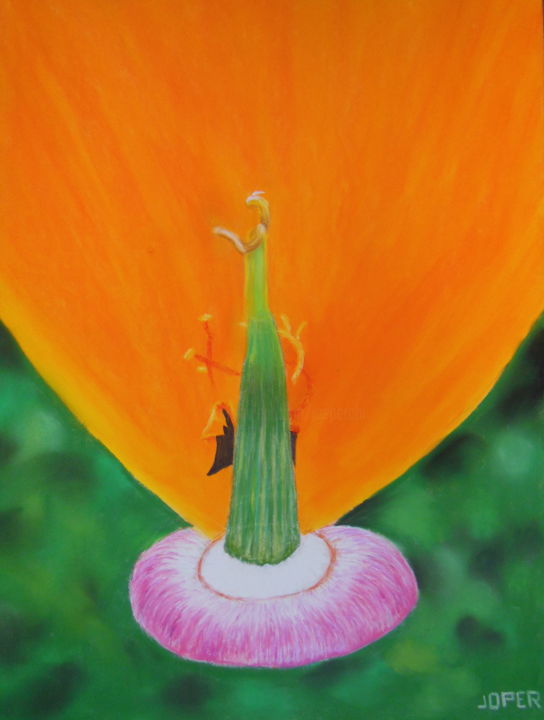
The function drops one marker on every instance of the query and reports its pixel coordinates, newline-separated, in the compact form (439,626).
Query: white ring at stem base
(234,578)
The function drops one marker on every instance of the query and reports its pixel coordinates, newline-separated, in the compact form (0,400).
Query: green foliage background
(73,522)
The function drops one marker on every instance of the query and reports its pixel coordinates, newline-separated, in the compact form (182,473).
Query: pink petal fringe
(367,591)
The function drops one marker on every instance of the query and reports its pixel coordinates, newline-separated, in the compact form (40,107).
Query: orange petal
(401,152)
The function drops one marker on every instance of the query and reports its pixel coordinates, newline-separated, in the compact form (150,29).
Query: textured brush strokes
(400,144)
(368,591)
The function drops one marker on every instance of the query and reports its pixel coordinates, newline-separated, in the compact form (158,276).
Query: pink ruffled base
(368,589)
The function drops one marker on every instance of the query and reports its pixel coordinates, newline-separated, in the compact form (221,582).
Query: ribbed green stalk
(263,523)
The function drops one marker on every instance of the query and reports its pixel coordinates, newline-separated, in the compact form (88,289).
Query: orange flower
(400,146)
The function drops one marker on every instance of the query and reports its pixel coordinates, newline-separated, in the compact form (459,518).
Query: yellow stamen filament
(204,362)
(287,333)
(201,369)
(216,417)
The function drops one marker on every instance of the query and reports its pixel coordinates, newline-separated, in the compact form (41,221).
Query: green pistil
(263,523)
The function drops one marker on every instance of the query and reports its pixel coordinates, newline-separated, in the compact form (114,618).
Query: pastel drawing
(271,254)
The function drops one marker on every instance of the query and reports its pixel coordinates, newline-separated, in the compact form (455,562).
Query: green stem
(263,522)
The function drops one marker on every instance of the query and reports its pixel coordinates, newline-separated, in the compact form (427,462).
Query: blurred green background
(73,522)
